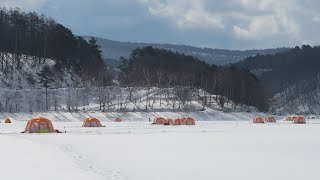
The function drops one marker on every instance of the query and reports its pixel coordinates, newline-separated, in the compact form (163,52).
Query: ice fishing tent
(91,122)
(39,125)
(159,120)
(117,120)
(184,121)
(270,119)
(294,117)
(7,121)
(187,121)
(178,121)
(289,118)
(299,120)
(258,120)
(168,122)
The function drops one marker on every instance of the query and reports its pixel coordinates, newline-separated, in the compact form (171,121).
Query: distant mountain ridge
(115,49)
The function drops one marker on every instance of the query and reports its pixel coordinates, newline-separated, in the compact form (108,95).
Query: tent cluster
(269,119)
(94,122)
(296,119)
(179,121)
(44,125)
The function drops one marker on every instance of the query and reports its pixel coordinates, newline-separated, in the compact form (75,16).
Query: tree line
(292,78)
(150,67)
(279,71)
(43,38)
(299,97)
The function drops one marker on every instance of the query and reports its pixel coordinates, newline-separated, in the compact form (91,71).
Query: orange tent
(169,122)
(183,121)
(299,120)
(91,122)
(289,118)
(159,120)
(7,121)
(39,125)
(178,121)
(117,120)
(189,121)
(258,120)
(270,119)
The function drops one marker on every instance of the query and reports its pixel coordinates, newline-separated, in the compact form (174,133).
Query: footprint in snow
(88,166)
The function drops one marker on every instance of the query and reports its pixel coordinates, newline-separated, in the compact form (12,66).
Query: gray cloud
(235,24)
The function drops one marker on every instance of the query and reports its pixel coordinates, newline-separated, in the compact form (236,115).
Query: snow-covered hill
(21,91)
(299,102)
(24,75)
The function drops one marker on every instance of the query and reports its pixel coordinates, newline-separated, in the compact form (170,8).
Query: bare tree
(31,98)
(56,99)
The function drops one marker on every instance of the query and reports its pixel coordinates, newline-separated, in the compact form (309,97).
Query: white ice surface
(223,150)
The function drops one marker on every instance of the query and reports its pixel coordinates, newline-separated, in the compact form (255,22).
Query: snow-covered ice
(136,150)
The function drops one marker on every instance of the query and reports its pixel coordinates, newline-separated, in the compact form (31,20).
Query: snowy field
(136,150)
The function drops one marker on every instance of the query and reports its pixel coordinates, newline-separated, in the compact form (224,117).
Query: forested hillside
(44,66)
(41,60)
(162,68)
(113,50)
(43,38)
(292,76)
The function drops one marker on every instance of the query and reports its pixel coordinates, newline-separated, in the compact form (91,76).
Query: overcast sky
(233,24)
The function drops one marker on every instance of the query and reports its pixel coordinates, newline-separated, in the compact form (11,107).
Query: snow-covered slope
(302,99)
(20,91)
(24,75)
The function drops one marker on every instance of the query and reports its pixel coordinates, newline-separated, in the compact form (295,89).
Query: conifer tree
(45,79)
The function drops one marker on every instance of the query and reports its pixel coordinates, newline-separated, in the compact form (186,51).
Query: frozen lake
(223,150)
